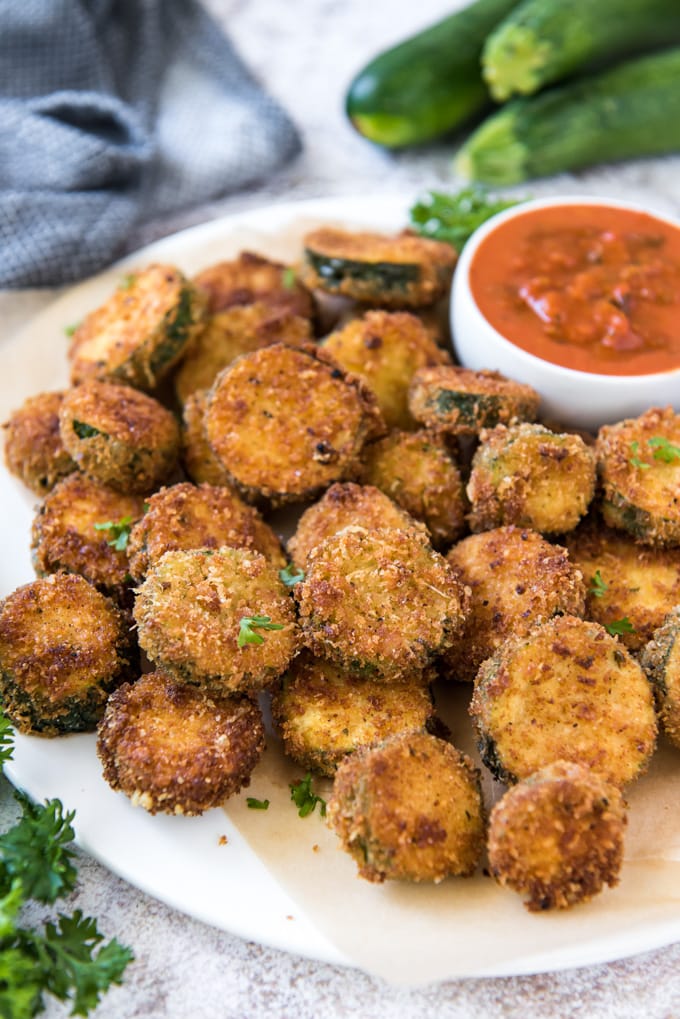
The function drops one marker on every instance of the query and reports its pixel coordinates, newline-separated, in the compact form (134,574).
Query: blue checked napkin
(113,112)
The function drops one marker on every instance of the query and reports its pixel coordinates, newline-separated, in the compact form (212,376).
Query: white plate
(180,860)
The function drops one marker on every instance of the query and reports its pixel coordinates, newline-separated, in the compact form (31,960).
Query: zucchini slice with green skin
(630,111)
(543,41)
(427,85)
(661,661)
(459,401)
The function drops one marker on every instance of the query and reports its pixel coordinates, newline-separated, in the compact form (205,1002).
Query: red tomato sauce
(589,287)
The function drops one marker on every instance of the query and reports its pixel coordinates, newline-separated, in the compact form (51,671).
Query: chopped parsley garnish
(288,278)
(255,804)
(127,281)
(120,532)
(304,798)
(619,626)
(635,459)
(598,588)
(70,330)
(84,431)
(454,217)
(291,575)
(664,450)
(247,626)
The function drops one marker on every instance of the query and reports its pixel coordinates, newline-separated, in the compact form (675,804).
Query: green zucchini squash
(428,84)
(632,110)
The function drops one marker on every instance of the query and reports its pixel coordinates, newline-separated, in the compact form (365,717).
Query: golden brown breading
(250,278)
(516,579)
(63,648)
(199,461)
(409,809)
(566,691)
(175,749)
(119,436)
(459,401)
(558,836)
(34,451)
(660,659)
(529,476)
(288,422)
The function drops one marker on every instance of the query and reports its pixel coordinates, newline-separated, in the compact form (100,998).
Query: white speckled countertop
(305,52)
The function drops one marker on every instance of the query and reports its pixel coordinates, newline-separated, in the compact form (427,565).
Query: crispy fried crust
(344,505)
(34,451)
(660,659)
(288,422)
(188,613)
(516,579)
(417,471)
(409,809)
(566,691)
(63,648)
(141,331)
(199,461)
(381,603)
(385,349)
(250,278)
(529,476)
(185,516)
(323,713)
(638,583)
(640,479)
(172,748)
(459,401)
(558,836)
(119,436)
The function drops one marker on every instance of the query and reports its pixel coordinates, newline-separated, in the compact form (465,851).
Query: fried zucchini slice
(385,349)
(119,436)
(401,271)
(379,603)
(34,451)
(83,527)
(630,587)
(141,331)
(516,579)
(409,809)
(639,465)
(660,659)
(185,516)
(323,713)
(286,423)
(344,505)
(222,620)
(251,278)
(173,748)
(558,836)
(459,401)
(228,334)
(417,471)
(565,691)
(529,476)
(63,647)
(198,459)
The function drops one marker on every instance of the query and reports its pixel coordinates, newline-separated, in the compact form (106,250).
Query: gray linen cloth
(112,113)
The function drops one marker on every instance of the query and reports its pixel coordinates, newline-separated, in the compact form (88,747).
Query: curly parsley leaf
(256,804)
(598,588)
(120,532)
(247,626)
(36,851)
(304,798)
(619,626)
(291,575)
(455,217)
(664,449)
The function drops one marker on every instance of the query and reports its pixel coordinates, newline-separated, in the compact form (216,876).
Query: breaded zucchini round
(288,422)
(63,648)
(558,836)
(565,691)
(516,579)
(119,436)
(141,331)
(34,451)
(385,349)
(250,278)
(200,463)
(83,527)
(228,334)
(185,516)
(639,465)
(409,809)
(661,661)
(344,505)
(400,271)
(380,603)
(459,401)
(417,471)
(222,620)
(323,713)
(532,477)
(630,587)
(175,749)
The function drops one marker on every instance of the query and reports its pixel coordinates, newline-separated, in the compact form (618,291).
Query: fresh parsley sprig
(455,217)
(254,804)
(304,798)
(247,626)
(598,588)
(619,626)
(664,450)
(291,575)
(119,530)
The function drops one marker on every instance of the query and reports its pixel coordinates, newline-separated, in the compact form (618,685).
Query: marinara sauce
(590,287)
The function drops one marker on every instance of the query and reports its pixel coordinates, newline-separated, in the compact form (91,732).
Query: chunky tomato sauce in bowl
(580,297)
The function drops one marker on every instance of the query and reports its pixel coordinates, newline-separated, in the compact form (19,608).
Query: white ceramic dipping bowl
(575,398)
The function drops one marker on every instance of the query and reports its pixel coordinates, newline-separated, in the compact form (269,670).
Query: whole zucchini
(632,110)
(542,41)
(428,84)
